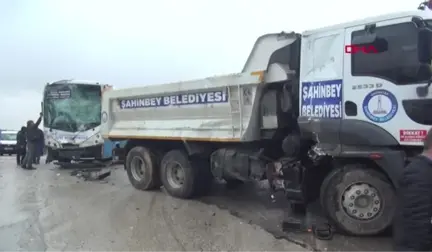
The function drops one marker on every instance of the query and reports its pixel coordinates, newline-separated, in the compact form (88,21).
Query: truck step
(295,195)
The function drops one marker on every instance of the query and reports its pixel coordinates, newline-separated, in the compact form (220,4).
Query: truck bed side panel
(202,110)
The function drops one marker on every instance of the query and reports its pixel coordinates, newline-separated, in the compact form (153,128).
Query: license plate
(8,148)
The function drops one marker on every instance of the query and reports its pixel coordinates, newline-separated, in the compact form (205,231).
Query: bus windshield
(72,107)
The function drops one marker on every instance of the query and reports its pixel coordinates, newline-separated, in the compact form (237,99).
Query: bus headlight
(104,117)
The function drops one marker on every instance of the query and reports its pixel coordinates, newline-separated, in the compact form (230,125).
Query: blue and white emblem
(380,106)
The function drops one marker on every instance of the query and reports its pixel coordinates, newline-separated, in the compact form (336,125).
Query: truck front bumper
(76,153)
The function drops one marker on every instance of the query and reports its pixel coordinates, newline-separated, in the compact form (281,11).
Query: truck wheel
(359,200)
(141,168)
(183,178)
(325,186)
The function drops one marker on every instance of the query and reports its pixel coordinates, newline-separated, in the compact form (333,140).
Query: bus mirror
(424,45)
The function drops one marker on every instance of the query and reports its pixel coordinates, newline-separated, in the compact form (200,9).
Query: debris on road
(95,174)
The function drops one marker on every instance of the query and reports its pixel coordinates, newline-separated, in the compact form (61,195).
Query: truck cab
(364,102)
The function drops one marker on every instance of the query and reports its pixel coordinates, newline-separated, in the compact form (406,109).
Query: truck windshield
(399,63)
(8,136)
(72,107)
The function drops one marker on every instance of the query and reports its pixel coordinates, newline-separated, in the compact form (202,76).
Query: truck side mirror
(424,72)
(381,45)
(424,45)
(371,41)
(368,38)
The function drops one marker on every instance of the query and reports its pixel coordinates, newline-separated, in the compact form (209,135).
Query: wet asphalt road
(48,209)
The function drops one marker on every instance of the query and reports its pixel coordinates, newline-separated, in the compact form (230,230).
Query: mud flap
(118,155)
(321,231)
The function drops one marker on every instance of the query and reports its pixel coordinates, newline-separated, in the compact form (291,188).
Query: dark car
(8,142)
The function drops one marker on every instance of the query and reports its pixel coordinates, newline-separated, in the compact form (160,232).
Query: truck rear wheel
(359,200)
(183,178)
(142,169)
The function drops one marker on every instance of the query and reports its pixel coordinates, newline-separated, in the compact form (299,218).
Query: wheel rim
(138,167)
(361,201)
(175,174)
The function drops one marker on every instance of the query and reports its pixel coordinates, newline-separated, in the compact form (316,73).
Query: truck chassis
(356,193)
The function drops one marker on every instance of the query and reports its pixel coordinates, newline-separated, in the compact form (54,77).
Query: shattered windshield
(72,107)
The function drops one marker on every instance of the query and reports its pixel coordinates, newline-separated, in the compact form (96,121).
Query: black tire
(325,186)
(10,154)
(150,177)
(1,154)
(197,175)
(335,185)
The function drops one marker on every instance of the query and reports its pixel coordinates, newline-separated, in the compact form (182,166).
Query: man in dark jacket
(413,223)
(40,146)
(21,145)
(32,138)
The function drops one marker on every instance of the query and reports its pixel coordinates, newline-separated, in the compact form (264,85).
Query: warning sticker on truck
(412,135)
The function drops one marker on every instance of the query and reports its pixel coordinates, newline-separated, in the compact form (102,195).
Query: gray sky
(139,42)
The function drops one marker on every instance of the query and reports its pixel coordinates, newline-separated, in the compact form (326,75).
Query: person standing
(32,138)
(40,146)
(413,222)
(21,145)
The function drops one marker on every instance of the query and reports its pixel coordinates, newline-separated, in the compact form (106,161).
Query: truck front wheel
(359,200)
(142,169)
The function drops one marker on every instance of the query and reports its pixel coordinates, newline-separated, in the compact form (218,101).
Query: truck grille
(70,145)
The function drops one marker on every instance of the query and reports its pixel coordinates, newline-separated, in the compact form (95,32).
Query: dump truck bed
(211,109)
(222,108)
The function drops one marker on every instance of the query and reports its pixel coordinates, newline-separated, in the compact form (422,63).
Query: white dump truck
(331,114)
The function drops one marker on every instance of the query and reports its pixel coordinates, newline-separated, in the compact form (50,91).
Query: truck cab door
(321,85)
(380,85)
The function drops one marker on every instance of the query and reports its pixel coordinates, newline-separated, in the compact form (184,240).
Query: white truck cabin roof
(267,44)
(425,14)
